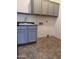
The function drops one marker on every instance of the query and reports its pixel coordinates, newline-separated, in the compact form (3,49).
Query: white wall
(43,30)
(57,27)
(24,6)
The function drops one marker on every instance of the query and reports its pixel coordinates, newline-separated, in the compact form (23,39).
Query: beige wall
(24,6)
(43,30)
(57,27)
(52,27)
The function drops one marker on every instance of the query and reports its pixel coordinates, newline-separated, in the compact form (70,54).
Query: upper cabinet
(40,7)
(56,9)
(24,6)
(51,8)
(36,6)
(44,6)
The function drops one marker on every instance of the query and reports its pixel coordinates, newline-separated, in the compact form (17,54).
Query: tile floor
(45,48)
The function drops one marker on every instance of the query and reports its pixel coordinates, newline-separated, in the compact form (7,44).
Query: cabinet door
(56,9)
(51,9)
(21,35)
(44,7)
(36,6)
(24,6)
(32,35)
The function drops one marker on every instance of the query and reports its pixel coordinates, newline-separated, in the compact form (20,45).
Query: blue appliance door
(32,35)
(22,36)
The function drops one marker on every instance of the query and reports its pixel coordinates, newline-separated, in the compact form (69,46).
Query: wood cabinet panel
(44,7)
(41,7)
(36,6)
(56,9)
(51,9)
